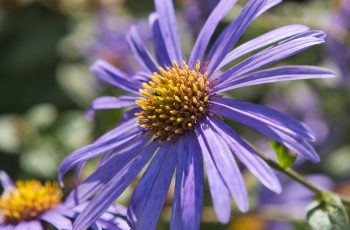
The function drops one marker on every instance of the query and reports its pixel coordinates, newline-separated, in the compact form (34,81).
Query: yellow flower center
(28,200)
(173,101)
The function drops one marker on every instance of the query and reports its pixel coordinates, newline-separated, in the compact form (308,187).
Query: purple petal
(266,39)
(222,203)
(149,196)
(109,102)
(113,139)
(140,51)
(246,155)
(188,194)
(36,225)
(232,33)
(268,116)
(279,74)
(273,54)
(57,220)
(268,5)
(199,48)
(168,29)
(159,43)
(6,181)
(64,210)
(6,226)
(115,77)
(275,131)
(142,76)
(128,115)
(23,225)
(104,173)
(114,188)
(226,166)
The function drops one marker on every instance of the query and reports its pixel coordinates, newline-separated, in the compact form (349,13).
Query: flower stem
(298,177)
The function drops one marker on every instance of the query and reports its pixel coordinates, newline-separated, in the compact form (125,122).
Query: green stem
(297,177)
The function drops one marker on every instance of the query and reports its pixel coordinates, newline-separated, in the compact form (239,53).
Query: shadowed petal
(140,51)
(113,139)
(168,29)
(114,188)
(279,74)
(159,43)
(266,39)
(35,225)
(104,173)
(6,181)
(149,196)
(23,225)
(110,74)
(207,31)
(232,33)
(108,102)
(188,194)
(226,166)
(246,155)
(222,203)
(57,220)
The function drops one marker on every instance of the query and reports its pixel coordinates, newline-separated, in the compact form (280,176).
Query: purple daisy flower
(175,119)
(28,204)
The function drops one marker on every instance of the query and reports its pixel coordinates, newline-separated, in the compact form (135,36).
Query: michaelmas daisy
(175,119)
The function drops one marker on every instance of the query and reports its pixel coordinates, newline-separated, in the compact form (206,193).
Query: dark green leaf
(285,158)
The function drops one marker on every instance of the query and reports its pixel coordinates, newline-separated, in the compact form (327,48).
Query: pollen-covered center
(173,101)
(28,200)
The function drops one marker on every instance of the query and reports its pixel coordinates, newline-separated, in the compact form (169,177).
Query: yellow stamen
(173,100)
(28,200)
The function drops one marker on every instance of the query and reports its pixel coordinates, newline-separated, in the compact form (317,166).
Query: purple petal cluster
(212,145)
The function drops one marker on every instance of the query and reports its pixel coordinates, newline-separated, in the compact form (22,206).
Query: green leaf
(285,158)
(328,213)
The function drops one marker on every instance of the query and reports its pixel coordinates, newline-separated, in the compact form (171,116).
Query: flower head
(27,204)
(175,119)
(28,200)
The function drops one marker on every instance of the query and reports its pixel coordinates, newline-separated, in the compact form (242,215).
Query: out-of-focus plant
(42,138)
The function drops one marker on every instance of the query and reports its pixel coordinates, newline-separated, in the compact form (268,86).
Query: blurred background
(46,47)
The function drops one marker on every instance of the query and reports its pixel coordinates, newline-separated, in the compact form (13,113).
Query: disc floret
(28,200)
(173,100)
